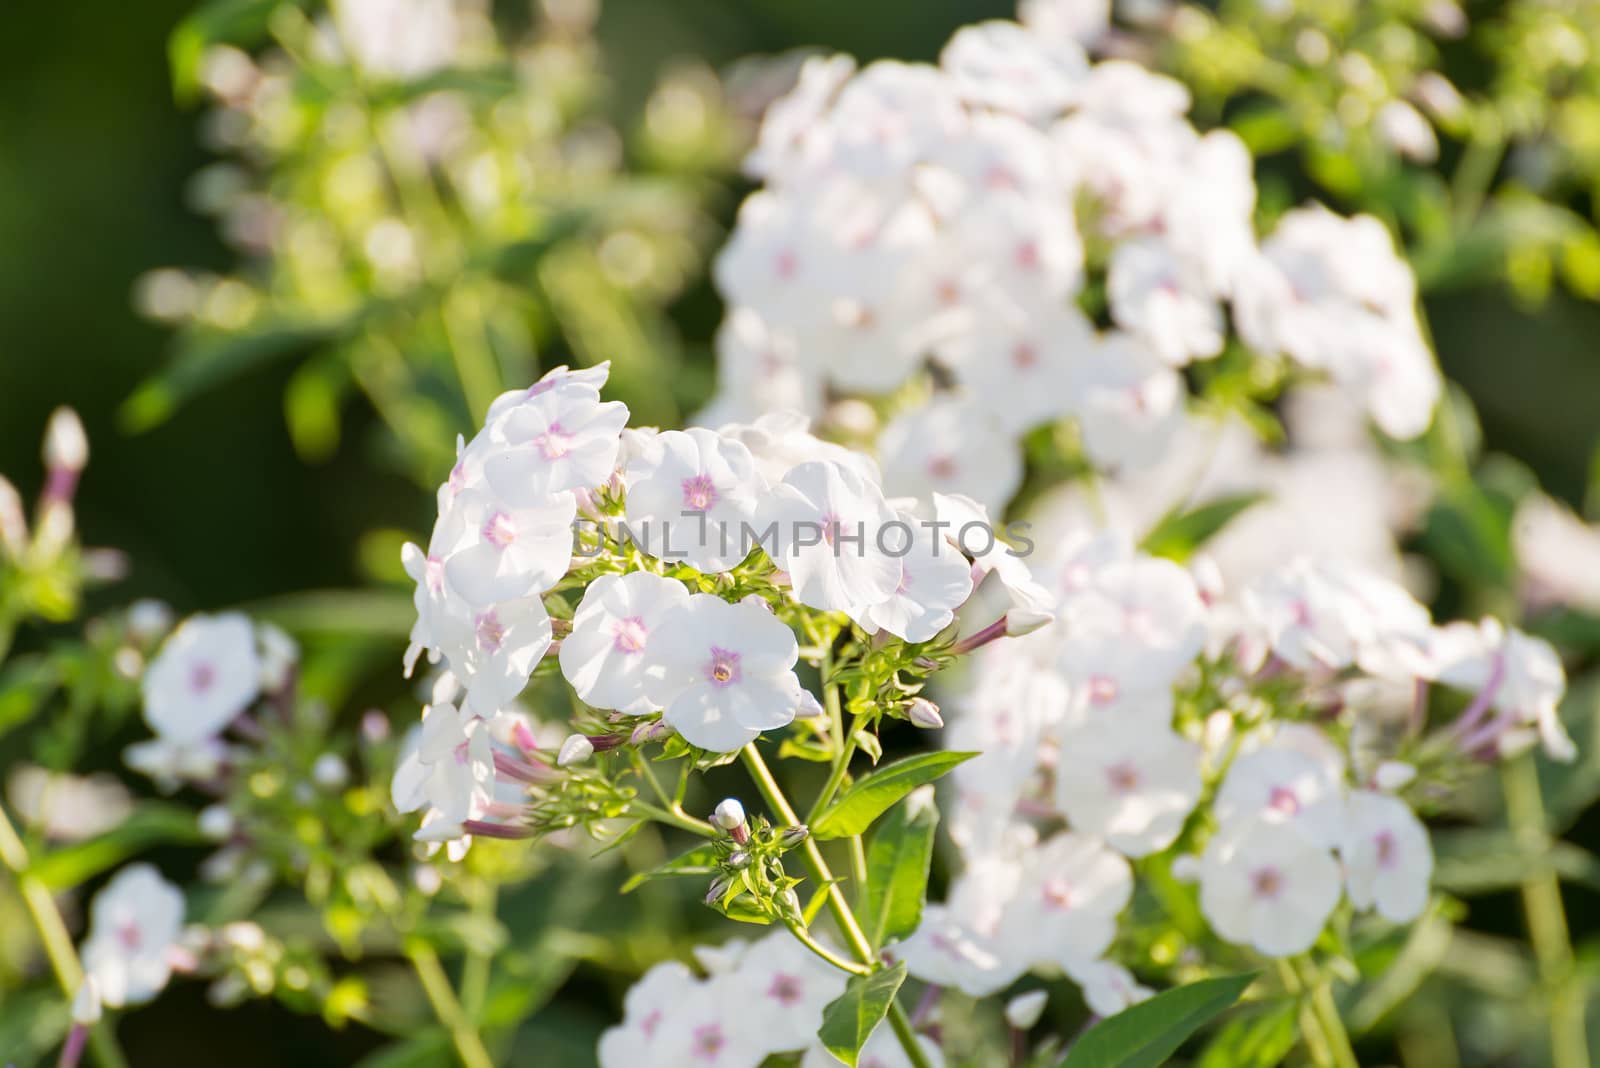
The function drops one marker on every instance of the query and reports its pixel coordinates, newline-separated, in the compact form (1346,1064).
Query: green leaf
(152,823)
(1255,1040)
(897,868)
(1146,1034)
(431,1047)
(32,1022)
(207,358)
(849,1021)
(870,797)
(701,860)
(1484,860)
(1179,533)
(366,613)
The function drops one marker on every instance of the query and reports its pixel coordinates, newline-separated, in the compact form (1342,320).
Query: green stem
(477,969)
(842,914)
(1546,916)
(674,817)
(436,985)
(825,953)
(908,1038)
(54,937)
(846,745)
(1326,1013)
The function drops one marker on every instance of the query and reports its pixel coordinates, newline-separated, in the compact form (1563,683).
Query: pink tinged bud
(718,887)
(507,831)
(522,736)
(575,750)
(652,731)
(925,714)
(729,815)
(979,639)
(374,727)
(1024,1010)
(1021,621)
(809,707)
(523,771)
(793,836)
(66,446)
(13,521)
(1393,774)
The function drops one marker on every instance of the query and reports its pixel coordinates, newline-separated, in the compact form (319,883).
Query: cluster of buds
(750,882)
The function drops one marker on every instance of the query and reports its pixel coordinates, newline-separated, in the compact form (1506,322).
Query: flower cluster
(758,999)
(1034,237)
(805,522)
(1268,742)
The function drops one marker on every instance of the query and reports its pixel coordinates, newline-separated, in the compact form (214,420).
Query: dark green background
(214,508)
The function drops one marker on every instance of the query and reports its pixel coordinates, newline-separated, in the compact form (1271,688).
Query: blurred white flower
(1387,858)
(1266,885)
(134,927)
(205,675)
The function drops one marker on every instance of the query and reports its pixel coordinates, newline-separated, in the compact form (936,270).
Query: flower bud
(1020,621)
(13,521)
(1024,1010)
(729,814)
(718,887)
(575,750)
(651,731)
(925,714)
(86,1003)
(809,707)
(66,446)
(216,822)
(330,771)
(1393,774)
(739,860)
(374,727)
(789,903)
(793,836)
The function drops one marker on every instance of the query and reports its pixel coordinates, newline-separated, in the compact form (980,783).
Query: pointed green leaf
(1146,1034)
(1179,533)
(849,1021)
(701,860)
(872,796)
(897,868)
(152,823)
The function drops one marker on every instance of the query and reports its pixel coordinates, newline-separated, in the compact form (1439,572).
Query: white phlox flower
(605,655)
(134,926)
(694,498)
(206,673)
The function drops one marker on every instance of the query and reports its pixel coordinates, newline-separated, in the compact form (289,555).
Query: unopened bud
(793,836)
(86,1003)
(1391,775)
(1024,1010)
(789,902)
(13,520)
(809,707)
(1020,621)
(330,771)
(216,822)
(729,814)
(718,887)
(374,726)
(575,750)
(925,714)
(739,860)
(66,446)
(649,731)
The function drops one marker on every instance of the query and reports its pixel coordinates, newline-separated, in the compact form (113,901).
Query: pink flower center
(708,1041)
(786,264)
(830,527)
(787,989)
(1266,883)
(1057,894)
(999,176)
(129,935)
(433,575)
(1024,356)
(1283,799)
(201,677)
(942,467)
(699,493)
(628,635)
(1102,689)
(499,530)
(649,1024)
(1300,612)
(490,631)
(1123,777)
(948,291)
(554,443)
(1388,850)
(1028,255)
(723,668)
